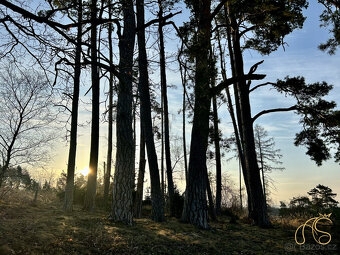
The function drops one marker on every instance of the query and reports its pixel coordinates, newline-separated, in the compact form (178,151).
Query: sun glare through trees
(169,126)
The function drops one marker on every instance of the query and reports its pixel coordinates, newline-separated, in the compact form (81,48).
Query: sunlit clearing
(85,171)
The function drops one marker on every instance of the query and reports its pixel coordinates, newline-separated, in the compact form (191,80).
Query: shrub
(177,205)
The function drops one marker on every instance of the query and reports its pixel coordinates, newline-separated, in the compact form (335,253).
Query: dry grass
(46,229)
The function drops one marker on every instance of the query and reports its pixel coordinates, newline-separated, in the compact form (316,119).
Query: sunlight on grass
(46,229)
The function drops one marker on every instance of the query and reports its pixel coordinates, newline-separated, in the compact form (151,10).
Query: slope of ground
(45,229)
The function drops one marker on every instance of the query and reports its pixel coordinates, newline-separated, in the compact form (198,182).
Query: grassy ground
(45,229)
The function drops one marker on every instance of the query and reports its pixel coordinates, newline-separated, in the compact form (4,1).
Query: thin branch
(292,108)
(246,30)
(216,90)
(64,106)
(261,85)
(217,9)
(151,22)
(255,66)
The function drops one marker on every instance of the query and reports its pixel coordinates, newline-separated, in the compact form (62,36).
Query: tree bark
(258,208)
(69,189)
(216,141)
(217,158)
(195,209)
(123,182)
(141,173)
(212,209)
(143,87)
(183,78)
(165,110)
(110,116)
(262,172)
(92,176)
(240,181)
(162,146)
(236,124)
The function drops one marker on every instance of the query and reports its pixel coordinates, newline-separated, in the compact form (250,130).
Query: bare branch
(292,108)
(164,18)
(261,85)
(216,90)
(217,9)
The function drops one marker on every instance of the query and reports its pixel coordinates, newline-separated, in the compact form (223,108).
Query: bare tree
(267,155)
(25,115)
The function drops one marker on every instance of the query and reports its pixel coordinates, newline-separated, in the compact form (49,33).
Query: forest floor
(44,228)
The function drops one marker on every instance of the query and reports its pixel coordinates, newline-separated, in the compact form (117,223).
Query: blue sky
(300,57)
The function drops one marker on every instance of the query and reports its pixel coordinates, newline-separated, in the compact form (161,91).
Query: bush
(79,190)
(177,205)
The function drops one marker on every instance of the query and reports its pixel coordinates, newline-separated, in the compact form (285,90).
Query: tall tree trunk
(165,110)
(195,203)
(184,137)
(236,125)
(143,87)
(261,162)
(240,181)
(110,115)
(134,102)
(162,146)
(183,78)
(123,182)
(141,173)
(212,209)
(69,189)
(92,176)
(218,158)
(258,211)
(216,140)
(229,101)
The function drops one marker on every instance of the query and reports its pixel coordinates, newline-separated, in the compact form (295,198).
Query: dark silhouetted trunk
(184,141)
(237,127)
(262,172)
(123,181)
(258,210)
(195,209)
(183,78)
(92,176)
(218,158)
(143,87)
(141,173)
(216,141)
(162,148)
(110,116)
(212,209)
(165,111)
(240,181)
(69,189)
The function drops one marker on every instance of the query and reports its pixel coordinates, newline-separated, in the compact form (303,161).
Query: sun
(85,171)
